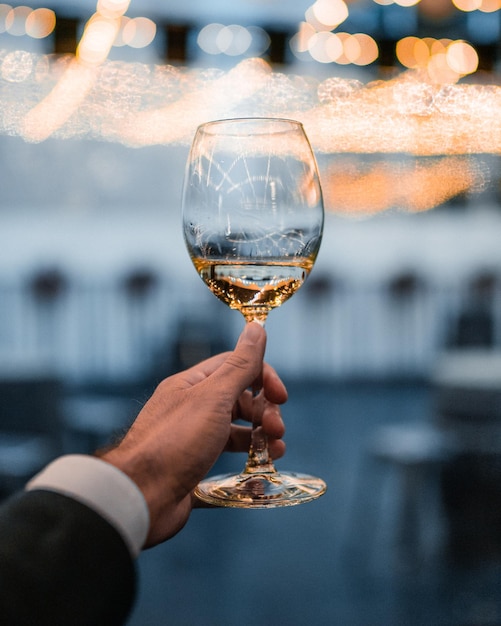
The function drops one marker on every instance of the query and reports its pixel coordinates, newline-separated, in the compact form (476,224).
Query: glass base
(260,490)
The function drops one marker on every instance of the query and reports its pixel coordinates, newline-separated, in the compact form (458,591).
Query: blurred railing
(113,329)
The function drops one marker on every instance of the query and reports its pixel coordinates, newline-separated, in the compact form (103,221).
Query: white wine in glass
(253,221)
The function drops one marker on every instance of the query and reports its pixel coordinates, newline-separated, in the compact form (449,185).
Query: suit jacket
(61,564)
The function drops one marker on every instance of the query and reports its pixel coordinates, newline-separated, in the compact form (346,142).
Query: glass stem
(258,459)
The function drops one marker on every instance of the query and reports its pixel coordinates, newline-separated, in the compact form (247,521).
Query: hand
(187,423)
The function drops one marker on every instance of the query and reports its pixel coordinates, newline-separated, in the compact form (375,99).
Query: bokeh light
(486,6)
(15,21)
(23,20)
(4,11)
(112,8)
(335,47)
(300,41)
(361,49)
(327,14)
(489,6)
(97,39)
(233,40)
(444,60)
(461,57)
(467,5)
(413,186)
(402,3)
(40,23)
(137,32)
(325,47)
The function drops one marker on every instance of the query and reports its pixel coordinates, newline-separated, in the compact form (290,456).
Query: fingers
(275,392)
(240,440)
(272,422)
(274,389)
(241,368)
(273,427)
(271,417)
(238,368)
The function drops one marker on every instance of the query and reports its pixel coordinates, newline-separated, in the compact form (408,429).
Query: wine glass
(253,220)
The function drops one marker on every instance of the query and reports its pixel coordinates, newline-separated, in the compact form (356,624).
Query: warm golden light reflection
(325,47)
(40,23)
(119,39)
(74,85)
(338,47)
(367,50)
(467,5)
(232,40)
(58,106)
(402,3)
(327,14)
(300,41)
(112,8)
(138,32)
(462,58)
(486,6)
(139,105)
(412,52)
(421,134)
(15,20)
(349,46)
(489,6)
(424,118)
(22,20)
(365,188)
(444,60)
(315,36)
(99,34)
(201,99)
(4,10)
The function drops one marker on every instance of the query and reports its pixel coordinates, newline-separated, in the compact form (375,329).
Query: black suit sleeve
(61,564)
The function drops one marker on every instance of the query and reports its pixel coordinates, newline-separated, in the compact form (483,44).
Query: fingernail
(252,332)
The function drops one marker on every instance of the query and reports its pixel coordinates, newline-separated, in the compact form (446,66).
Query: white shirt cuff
(103,488)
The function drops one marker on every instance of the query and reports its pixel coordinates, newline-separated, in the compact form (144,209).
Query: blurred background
(392,349)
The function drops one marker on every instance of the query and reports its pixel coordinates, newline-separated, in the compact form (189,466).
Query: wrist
(169,505)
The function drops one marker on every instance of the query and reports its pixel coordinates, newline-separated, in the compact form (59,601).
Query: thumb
(245,363)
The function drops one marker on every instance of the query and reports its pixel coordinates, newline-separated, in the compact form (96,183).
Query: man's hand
(187,423)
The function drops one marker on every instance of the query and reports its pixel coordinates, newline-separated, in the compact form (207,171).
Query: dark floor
(331,562)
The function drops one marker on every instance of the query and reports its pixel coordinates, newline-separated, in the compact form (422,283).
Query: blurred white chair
(401,508)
